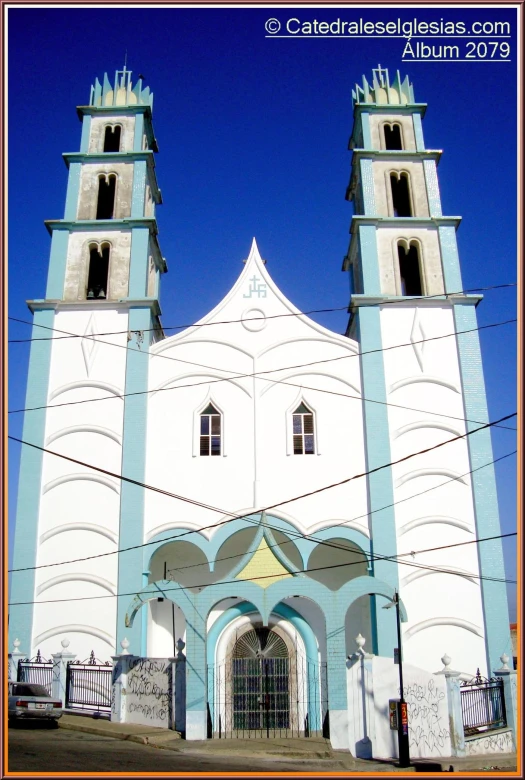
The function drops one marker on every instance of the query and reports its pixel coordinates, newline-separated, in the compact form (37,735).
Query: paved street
(38,748)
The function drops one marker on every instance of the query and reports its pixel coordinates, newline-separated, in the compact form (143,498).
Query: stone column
(118,683)
(14,657)
(196,723)
(455,713)
(510,692)
(60,662)
(337,682)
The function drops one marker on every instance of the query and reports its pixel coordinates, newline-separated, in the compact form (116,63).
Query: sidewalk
(312,748)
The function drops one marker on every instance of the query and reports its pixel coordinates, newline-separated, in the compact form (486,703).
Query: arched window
(393,136)
(400,194)
(303,431)
(106,196)
(210,436)
(97,286)
(409,268)
(112,138)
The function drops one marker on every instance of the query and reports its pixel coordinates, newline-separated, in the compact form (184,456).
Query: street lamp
(402,720)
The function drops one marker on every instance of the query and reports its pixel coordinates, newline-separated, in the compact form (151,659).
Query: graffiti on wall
(148,691)
(427,718)
(500,742)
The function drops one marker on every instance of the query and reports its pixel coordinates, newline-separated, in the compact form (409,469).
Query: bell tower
(422,384)
(86,394)
(106,248)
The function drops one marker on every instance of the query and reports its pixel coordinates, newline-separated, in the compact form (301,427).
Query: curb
(139,738)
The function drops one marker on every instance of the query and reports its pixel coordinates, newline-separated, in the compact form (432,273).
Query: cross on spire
(380,74)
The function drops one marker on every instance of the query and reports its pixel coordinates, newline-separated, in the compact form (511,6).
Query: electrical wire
(413,299)
(261,375)
(215,509)
(301,571)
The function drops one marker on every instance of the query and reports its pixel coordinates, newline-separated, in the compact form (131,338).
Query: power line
(261,375)
(215,509)
(413,299)
(301,571)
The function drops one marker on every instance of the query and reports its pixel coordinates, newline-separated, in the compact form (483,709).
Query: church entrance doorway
(266,688)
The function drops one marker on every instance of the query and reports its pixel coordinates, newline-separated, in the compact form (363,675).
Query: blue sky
(253,135)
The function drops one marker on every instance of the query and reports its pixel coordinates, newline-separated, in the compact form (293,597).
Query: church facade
(258,485)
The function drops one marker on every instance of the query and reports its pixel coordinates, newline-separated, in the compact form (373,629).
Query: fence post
(509,692)
(180,688)
(118,683)
(60,662)
(14,658)
(455,713)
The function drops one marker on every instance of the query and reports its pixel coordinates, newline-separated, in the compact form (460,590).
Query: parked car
(30,700)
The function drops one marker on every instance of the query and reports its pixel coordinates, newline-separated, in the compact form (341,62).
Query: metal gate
(483,704)
(36,670)
(267,697)
(88,685)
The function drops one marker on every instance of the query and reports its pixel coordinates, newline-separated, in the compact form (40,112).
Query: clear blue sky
(253,135)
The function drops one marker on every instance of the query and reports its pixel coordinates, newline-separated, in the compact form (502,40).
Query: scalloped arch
(77,577)
(291,375)
(109,483)
(85,429)
(416,426)
(454,475)
(86,384)
(212,374)
(435,380)
(76,628)
(442,621)
(96,529)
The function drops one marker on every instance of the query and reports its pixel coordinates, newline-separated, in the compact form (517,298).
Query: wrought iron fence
(482,704)
(267,697)
(36,670)
(88,685)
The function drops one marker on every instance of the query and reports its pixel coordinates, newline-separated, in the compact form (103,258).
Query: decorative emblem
(253,320)
(256,288)
(416,336)
(89,345)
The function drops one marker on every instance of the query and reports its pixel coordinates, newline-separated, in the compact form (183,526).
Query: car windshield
(30,689)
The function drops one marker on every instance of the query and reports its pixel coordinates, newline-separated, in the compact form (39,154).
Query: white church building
(255,484)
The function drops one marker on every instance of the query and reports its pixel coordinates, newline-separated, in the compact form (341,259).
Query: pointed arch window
(97,286)
(112,138)
(400,186)
(106,196)
(210,431)
(409,268)
(393,138)
(303,431)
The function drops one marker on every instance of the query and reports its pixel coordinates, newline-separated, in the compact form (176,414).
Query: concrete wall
(371,683)
(444,610)
(79,512)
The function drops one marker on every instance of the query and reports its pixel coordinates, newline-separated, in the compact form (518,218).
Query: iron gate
(88,685)
(482,704)
(36,670)
(267,697)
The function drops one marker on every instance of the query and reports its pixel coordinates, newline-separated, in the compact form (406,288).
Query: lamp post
(402,721)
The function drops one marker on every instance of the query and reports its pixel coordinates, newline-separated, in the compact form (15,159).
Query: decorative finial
(65,643)
(124,645)
(180,647)
(504,660)
(446,660)
(360,642)
(16,644)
